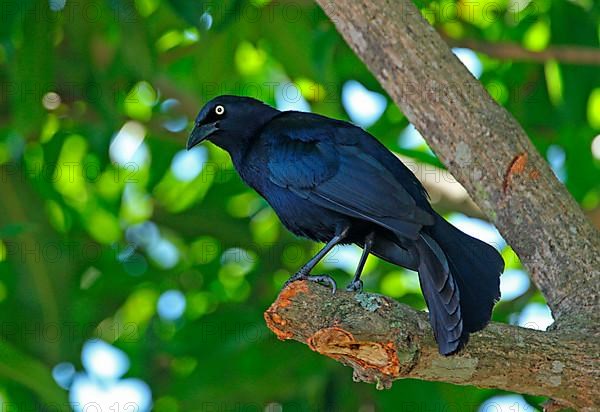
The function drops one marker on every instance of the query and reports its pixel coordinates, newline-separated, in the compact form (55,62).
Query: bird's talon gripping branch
(355,286)
(323,279)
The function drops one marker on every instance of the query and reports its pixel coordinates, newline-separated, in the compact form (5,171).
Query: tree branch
(383,340)
(564,54)
(483,147)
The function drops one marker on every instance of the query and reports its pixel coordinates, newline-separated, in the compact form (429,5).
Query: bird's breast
(297,214)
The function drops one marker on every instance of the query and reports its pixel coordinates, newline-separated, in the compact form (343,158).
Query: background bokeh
(134,274)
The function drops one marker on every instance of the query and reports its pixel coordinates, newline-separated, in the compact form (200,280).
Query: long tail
(460,279)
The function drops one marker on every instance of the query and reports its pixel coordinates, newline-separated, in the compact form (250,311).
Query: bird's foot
(323,279)
(355,286)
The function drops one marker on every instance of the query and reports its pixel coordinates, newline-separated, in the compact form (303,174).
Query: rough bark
(384,340)
(488,152)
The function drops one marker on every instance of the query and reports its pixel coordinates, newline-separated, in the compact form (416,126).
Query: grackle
(332,182)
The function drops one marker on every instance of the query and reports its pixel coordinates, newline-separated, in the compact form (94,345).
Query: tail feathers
(442,296)
(460,279)
(476,267)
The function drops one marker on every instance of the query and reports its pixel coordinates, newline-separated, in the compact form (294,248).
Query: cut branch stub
(378,351)
(384,340)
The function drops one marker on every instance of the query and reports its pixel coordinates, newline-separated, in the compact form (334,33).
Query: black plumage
(331,181)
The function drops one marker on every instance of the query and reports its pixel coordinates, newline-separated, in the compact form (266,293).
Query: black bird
(332,182)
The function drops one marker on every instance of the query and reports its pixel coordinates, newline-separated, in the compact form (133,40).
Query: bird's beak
(200,134)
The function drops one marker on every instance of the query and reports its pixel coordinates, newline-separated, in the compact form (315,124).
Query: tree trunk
(489,153)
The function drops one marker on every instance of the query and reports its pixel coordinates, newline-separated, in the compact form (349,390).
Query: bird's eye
(219,110)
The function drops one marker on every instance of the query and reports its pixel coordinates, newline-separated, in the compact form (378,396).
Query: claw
(355,286)
(324,279)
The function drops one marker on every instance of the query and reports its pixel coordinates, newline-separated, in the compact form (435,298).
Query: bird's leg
(304,272)
(356,285)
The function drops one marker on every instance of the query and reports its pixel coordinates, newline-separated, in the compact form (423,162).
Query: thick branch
(564,54)
(484,148)
(383,340)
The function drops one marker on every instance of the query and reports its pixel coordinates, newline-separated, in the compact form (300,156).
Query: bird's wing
(335,173)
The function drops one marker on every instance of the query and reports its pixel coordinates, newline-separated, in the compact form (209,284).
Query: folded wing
(335,173)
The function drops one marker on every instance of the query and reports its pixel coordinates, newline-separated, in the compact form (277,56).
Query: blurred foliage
(96,220)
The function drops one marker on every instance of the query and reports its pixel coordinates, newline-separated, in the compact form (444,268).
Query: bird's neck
(247,163)
(240,144)
(238,155)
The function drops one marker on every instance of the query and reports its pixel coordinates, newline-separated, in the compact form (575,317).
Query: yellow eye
(219,110)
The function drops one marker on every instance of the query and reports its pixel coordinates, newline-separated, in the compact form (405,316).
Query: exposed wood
(383,340)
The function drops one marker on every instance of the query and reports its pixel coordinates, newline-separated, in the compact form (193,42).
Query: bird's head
(230,121)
